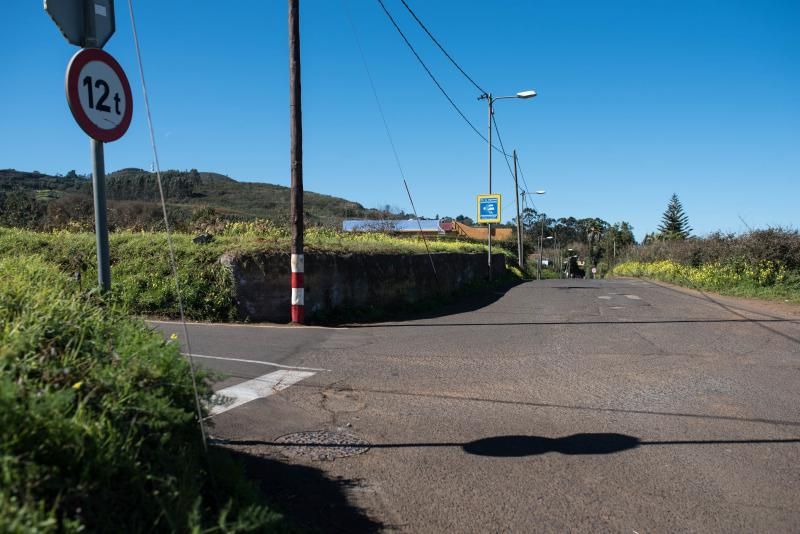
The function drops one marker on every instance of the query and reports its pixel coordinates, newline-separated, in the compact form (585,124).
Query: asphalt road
(564,405)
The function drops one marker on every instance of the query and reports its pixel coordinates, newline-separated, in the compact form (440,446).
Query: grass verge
(141,273)
(97,421)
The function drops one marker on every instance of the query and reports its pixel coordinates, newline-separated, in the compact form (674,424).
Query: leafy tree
(463,219)
(674,222)
(530,217)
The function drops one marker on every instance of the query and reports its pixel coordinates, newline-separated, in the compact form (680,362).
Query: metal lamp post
(491,100)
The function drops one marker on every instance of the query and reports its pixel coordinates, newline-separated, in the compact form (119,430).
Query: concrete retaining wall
(349,281)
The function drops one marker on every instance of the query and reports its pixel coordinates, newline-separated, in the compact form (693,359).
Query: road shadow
(468,299)
(515,446)
(512,446)
(306,496)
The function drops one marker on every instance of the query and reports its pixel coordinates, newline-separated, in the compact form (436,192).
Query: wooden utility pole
(296,132)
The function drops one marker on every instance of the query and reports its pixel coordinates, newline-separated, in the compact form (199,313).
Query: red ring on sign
(78,61)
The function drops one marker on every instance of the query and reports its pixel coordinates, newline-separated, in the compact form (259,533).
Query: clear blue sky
(637,100)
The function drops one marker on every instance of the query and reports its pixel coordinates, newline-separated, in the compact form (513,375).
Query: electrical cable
(453,61)
(386,125)
(171,246)
(502,148)
(522,175)
(432,77)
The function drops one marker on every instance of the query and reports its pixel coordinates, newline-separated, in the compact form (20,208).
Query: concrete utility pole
(296,151)
(519,221)
(541,252)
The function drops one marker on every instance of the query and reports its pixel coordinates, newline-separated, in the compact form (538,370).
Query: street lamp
(491,100)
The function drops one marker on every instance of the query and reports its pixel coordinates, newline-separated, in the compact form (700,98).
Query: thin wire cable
(171,247)
(453,61)
(522,174)
(432,77)
(502,148)
(386,127)
(435,274)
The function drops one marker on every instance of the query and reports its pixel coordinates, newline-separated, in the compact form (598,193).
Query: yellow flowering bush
(714,275)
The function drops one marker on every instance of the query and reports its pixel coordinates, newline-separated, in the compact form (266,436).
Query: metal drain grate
(321,444)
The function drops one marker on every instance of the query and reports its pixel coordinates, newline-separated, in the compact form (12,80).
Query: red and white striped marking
(298,297)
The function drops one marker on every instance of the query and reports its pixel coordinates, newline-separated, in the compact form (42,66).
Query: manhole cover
(321,444)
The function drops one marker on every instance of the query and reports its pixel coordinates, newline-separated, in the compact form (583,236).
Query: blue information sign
(489,208)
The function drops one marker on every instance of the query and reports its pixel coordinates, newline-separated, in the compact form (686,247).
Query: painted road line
(271,364)
(234,325)
(604,297)
(257,388)
(633,297)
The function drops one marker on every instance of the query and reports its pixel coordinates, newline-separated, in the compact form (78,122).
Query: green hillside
(35,200)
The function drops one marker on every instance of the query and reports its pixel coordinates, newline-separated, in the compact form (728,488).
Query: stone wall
(349,281)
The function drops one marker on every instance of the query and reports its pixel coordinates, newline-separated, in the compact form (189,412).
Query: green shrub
(141,275)
(98,427)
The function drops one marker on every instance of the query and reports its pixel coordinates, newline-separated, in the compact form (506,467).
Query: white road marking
(257,388)
(604,297)
(633,297)
(271,364)
(235,325)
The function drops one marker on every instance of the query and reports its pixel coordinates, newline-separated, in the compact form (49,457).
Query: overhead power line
(453,61)
(522,174)
(388,131)
(433,78)
(424,66)
(502,148)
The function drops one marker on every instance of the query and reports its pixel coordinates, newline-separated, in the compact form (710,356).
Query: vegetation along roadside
(141,272)
(98,425)
(761,263)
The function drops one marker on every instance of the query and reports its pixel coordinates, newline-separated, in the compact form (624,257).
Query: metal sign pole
(89,24)
(98,174)
(100,217)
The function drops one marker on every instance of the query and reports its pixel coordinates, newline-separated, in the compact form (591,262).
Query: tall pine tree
(674,222)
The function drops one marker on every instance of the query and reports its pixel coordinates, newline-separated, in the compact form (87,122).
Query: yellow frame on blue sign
(498,199)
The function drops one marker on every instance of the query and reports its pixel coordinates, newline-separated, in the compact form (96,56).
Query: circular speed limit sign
(99,94)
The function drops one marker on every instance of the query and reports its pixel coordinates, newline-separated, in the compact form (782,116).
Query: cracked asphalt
(563,405)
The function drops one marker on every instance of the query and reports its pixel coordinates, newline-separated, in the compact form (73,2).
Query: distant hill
(33,199)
